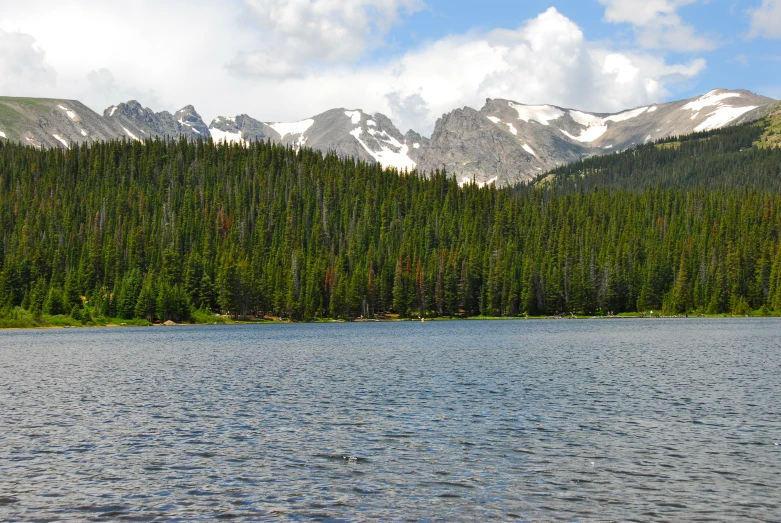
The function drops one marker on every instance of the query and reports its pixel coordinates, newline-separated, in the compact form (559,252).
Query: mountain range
(505,142)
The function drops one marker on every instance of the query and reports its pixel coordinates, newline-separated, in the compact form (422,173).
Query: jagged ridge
(505,142)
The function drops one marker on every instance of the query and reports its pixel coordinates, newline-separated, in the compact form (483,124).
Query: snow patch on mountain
(84,132)
(190,125)
(539,113)
(292,128)
(354,116)
(722,116)
(626,115)
(596,126)
(710,99)
(71,114)
(510,126)
(585,118)
(386,156)
(133,136)
(466,181)
(61,140)
(589,134)
(2,135)
(226,136)
(529,150)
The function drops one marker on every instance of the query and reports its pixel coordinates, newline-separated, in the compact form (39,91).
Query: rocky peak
(190,122)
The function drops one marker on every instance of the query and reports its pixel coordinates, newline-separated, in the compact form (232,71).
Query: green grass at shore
(18,318)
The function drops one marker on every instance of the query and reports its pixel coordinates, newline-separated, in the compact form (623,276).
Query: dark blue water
(443,421)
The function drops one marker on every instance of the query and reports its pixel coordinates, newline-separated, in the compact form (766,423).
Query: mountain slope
(487,149)
(504,143)
(772,135)
(43,122)
(138,122)
(508,142)
(347,133)
(729,158)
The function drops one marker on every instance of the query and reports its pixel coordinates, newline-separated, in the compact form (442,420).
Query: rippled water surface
(442,421)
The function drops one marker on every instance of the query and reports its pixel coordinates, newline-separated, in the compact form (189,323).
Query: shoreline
(391,320)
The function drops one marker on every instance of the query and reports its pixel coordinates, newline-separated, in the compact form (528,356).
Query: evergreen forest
(724,159)
(183,231)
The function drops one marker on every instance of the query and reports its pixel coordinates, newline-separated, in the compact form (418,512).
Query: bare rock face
(138,123)
(478,146)
(190,123)
(43,122)
(344,132)
(418,145)
(241,128)
(508,143)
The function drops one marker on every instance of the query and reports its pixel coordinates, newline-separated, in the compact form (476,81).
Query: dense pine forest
(178,230)
(725,159)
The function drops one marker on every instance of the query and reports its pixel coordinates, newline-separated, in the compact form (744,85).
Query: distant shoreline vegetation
(180,231)
(21,319)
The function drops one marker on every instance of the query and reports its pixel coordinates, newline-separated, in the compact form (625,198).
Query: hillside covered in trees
(162,229)
(732,158)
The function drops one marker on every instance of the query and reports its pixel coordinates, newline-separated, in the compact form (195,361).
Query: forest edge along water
(66,322)
(177,231)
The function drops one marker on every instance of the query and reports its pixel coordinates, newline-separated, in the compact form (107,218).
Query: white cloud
(158,52)
(103,86)
(297,33)
(766,20)
(181,55)
(657,24)
(23,66)
(547,60)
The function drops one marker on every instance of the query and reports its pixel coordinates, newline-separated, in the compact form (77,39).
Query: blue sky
(413,60)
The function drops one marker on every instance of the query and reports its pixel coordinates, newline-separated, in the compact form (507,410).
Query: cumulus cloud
(410,109)
(657,24)
(296,33)
(103,82)
(165,65)
(104,86)
(766,20)
(23,67)
(546,60)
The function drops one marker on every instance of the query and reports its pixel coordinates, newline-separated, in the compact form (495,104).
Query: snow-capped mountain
(138,122)
(43,122)
(505,142)
(353,133)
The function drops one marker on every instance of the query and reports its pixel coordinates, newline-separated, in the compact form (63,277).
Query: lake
(443,421)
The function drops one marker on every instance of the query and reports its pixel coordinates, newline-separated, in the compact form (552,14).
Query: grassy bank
(18,318)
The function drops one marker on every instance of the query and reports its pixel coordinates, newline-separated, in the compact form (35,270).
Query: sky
(412,60)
